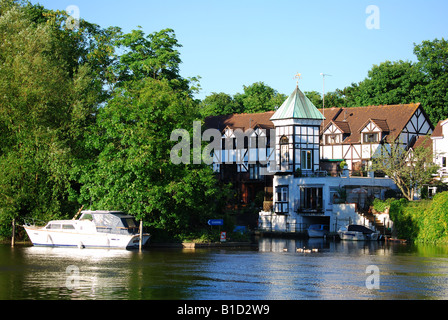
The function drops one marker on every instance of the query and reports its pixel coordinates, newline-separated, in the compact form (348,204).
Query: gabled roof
(438,132)
(390,118)
(344,126)
(297,106)
(423,141)
(395,117)
(380,123)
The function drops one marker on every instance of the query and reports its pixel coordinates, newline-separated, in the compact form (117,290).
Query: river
(272,271)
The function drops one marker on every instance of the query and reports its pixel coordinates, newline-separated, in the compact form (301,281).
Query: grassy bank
(424,221)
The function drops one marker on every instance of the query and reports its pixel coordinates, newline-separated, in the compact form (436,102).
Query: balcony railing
(308,211)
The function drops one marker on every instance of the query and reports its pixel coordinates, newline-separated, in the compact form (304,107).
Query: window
(306,160)
(370,137)
(54,226)
(282,198)
(254,171)
(68,227)
(284,152)
(332,138)
(311,199)
(444,162)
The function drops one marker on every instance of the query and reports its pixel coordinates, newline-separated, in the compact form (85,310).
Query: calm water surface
(337,271)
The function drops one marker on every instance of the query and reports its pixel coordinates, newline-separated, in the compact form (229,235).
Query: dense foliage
(85,119)
(420,221)
(86,115)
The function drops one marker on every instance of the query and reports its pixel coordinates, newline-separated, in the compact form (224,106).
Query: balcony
(311,174)
(311,212)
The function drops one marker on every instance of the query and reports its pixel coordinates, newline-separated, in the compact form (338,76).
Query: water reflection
(97,272)
(274,271)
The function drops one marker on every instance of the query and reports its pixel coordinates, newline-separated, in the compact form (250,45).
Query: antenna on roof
(323,91)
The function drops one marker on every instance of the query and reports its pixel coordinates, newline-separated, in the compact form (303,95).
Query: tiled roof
(390,118)
(423,141)
(438,130)
(242,121)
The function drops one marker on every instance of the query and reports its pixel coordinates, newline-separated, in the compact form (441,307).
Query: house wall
(440,148)
(296,219)
(345,214)
(356,153)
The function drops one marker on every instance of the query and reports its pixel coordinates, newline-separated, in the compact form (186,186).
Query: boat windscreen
(359,228)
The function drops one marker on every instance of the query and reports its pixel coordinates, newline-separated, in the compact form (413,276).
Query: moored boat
(318,230)
(94,229)
(356,232)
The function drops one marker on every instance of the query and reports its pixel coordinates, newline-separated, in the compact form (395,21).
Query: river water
(271,271)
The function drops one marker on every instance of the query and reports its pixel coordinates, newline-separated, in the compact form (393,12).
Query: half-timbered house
(286,155)
(354,134)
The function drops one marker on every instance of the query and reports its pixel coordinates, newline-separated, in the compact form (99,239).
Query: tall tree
(133,171)
(259,97)
(218,104)
(433,65)
(386,83)
(48,94)
(131,138)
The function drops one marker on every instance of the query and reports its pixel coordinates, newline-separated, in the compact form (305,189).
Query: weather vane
(298,76)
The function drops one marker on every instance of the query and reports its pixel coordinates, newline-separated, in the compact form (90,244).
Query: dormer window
(333,138)
(371,137)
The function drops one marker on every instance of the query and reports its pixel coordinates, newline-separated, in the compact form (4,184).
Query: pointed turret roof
(297,106)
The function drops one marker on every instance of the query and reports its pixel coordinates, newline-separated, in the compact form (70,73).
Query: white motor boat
(94,229)
(356,232)
(318,230)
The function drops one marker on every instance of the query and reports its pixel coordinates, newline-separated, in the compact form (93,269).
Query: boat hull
(49,238)
(357,236)
(317,233)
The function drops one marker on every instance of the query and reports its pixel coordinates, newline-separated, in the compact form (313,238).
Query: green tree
(387,83)
(403,82)
(409,169)
(219,104)
(433,65)
(315,97)
(154,55)
(133,171)
(48,94)
(259,97)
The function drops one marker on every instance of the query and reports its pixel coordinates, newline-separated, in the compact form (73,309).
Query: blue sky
(231,43)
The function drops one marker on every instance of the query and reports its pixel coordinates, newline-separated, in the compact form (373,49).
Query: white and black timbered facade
(354,134)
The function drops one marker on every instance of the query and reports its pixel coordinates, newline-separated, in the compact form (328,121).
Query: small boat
(356,232)
(318,230)
(94,229)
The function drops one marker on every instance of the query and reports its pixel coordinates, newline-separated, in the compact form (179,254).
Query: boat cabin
(114,222)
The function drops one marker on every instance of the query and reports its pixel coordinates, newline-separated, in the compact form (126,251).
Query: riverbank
(197,245)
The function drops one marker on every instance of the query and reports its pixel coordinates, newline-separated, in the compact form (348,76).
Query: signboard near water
(216,222)
(223,236)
